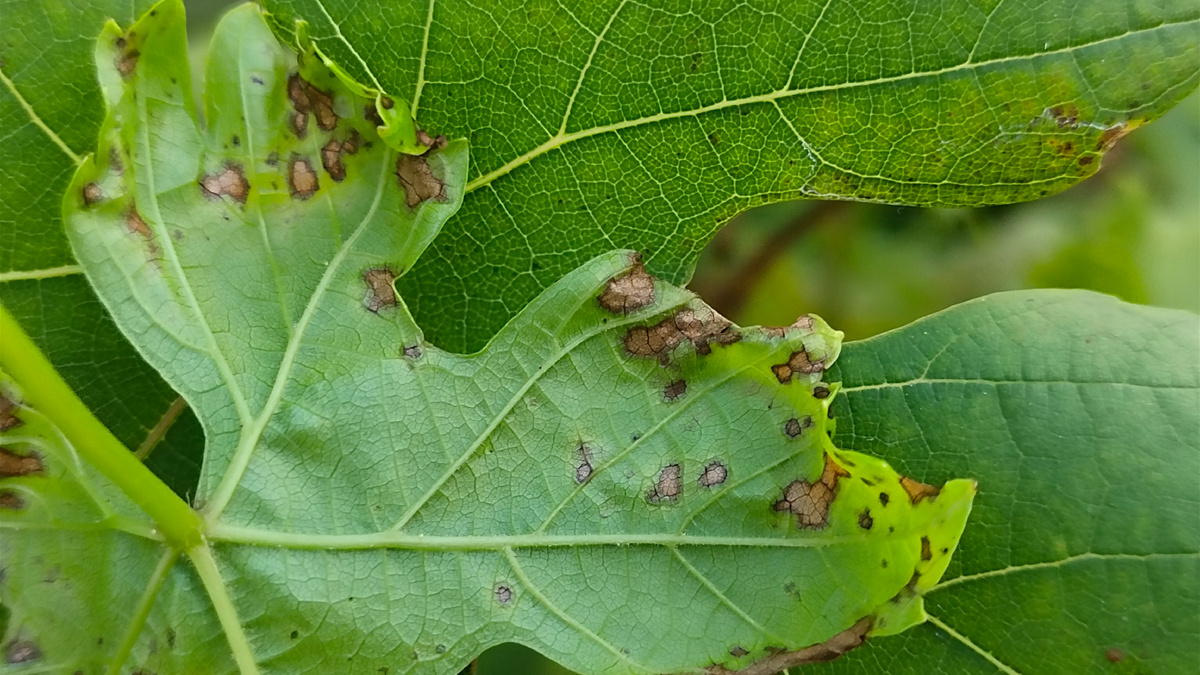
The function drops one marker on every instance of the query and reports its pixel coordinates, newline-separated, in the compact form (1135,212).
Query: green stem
(210,576)
(44,390)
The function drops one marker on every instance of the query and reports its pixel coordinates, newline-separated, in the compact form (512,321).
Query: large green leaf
(622,479)
(649,124)
(50,110)
(1077,414)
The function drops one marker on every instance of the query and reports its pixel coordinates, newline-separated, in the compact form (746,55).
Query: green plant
(619,477)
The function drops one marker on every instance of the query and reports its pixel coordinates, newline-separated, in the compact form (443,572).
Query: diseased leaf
(1077,414)
(50,109)
(622,479)
(648,125)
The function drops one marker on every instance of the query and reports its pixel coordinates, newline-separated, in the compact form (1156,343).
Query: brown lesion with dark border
(777,660)
(700,325)
(8,413)
(630,291)
(808,501)
(798,363)
(230,182)
(381,294)
(667,486)
(417,180)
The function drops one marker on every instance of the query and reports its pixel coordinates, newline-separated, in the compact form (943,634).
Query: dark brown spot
(1114,655)
(11,501)
(1066,115)
(926,549)
(820,392)
(413,352)
(628,292)
(699,324)
(917,490)
(22,651)
(331,159)
(667,486)
(583,464)
(715,473)
(809,502)
(865,521)
(8,416)
(230,182)
(294,634)
(794,427)
(127,62)
(372,115)
(777,660)
(1086,160)
(386,102)
(92,194)
(133,221)
(503,594)
(308,99)
(738,651)
(798,362)
(273,159)
(302,179)
(884,498)
(235,140)
(674,390)
(418,181)
(12,464)
(431,142)
(1111,135)
(298,121)
(380,293)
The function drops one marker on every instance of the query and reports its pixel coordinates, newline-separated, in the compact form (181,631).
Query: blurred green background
(1133,231)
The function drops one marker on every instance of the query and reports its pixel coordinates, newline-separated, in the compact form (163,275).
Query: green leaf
(648,125)
(1076,413)
(622,479)
(50,109)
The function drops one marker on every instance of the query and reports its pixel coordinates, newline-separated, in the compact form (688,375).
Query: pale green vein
(421,67)
(561,139)
(724,599)
(567,618)
(588,64)
(210,576)
(1054,564)
(804,45)
(499,417)
(37,121)
(253,431)
(920,381)
(337,30)
(236,534)
(1000,665)
(47,273)
(142,611)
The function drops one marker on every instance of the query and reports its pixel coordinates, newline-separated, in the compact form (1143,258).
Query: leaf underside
(622,479)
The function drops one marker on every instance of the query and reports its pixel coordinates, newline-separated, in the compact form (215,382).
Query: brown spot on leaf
(229,182)
(583,464)
(308,99)
(917,490)
(127,63)
(1114,655)
(778,661)
(418,181)
(302,179)
(798,362)
(702,326)
(675,390)
(1086,160)
(380,293)
(133,220)
(865,521)
(715,473)
(884,498)
(8,417)
(92,194)
(11,501)
(1066,115)
(794,427)
(503,594)
(821,392)
(331,159)
(413,352)
(1113,134)
(628,292)
(809,502)
(22,651)
(298,121)
(667,486)
(372,115)
(738,651)
(431,142)
(926,549)
(12,464)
